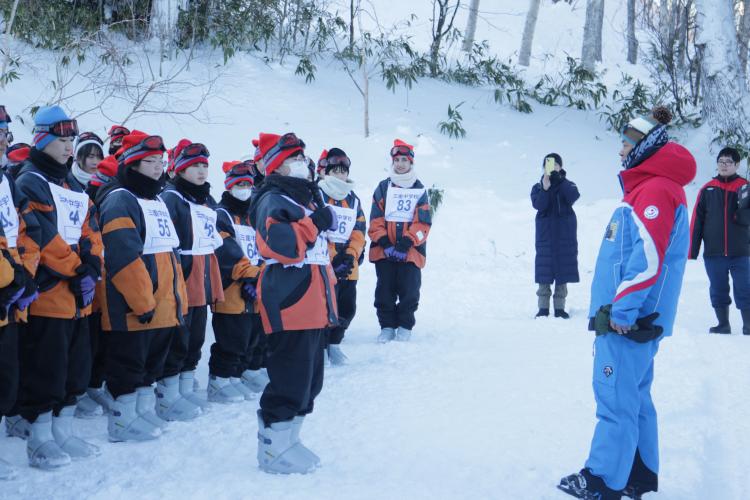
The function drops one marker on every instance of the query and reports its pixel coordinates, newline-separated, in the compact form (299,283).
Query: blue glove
(83,287)
(23,302)
(395,255)
(248,291)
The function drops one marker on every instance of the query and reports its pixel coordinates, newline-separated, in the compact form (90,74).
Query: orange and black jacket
(59,261)
(719,222)
(415,232)
(26,251)
(236,268)
(202,274)
(135,283)
(292,295)
(356,244)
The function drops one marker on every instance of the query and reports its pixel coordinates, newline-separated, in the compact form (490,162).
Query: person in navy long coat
(556,237)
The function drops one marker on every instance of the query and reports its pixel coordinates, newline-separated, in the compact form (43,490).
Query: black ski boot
(587,486)
(560,313)
(641,480)
(543,313)
(722,314)
(745,321)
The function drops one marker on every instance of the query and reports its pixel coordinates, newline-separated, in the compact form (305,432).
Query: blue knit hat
(4,118)
(48,115)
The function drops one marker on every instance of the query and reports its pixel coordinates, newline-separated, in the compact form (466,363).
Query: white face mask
(298,169)
(242,194)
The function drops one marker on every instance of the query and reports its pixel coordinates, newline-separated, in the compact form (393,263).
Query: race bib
(161,235)
(347,219)
(245,236)
(401,203)
(8,214)
(71,208)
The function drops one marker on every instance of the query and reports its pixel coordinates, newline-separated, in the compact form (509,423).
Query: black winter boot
(641,480)
(722,314)
(542,313)
(745,321)
(587,486)
(560,313)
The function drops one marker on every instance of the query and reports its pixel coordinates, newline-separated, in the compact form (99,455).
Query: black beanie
(557,157)
(730,152)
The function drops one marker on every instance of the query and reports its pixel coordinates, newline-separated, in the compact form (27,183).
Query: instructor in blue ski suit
(634,297)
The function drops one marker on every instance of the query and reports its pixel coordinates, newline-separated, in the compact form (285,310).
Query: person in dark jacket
(56,353)
(297,300)
(556,239)
(234,329)
(188,198)
(346,244)
(400,222)
(144,299)
(721,221)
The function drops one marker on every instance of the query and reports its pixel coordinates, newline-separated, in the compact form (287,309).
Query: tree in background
(591,51)
(471,26)
(441,27)
(632,40)
(528,32)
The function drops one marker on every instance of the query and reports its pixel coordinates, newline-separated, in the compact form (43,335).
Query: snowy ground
(485,401)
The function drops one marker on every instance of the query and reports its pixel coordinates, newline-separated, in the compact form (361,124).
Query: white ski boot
(296,428)
(124,423)
(87,408)
(17,426)
(187,390)
(102,396)
(170,404)
(242,388)
(43,452)
(255,380)
(336,355)
(7,471)
(62,430)
(221,390)
(386,335)
(277,453)
(403,334)
(145,406)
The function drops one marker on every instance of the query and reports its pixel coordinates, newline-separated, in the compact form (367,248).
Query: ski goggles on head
(289,141)
(247,167)
(65,128)
(335,161)
(90,136)
(193,151)
(150,143)
(117,131)
(402,150)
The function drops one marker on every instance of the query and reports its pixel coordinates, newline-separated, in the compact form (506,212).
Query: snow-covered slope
(485,401)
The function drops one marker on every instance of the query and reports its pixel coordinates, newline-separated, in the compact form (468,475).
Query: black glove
(338,259)
(147,317)
(555,177)
(404,244)
(248,290)
(345,265)
(322,218)
(743,197)
(91,265)
(643,331)
(384,242)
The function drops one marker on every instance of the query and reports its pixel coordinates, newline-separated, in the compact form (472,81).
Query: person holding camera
(556,236)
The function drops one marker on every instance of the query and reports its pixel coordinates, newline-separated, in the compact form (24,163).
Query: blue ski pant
(718,270)
(623,373)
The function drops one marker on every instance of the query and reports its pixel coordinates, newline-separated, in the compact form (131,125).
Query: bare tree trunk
(724,91)
(682,34)
(632,40)
(351,23)
(592,33)
(744,36)
(528,32)
(471,26)
(8,28)
(441,26)
(366,96)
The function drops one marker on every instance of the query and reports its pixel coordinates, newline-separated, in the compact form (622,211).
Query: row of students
(136,315)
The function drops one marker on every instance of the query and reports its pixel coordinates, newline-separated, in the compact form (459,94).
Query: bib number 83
(403,205)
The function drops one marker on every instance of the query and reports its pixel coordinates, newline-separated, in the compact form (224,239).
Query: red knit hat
(235,176)
(273,154)
(403,149)
(181,160)
(135,147)
(256,154)
(104,170)
(18,152)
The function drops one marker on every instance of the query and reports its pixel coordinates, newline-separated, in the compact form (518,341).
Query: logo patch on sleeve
(651,212)
(611,233)
(608,371)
